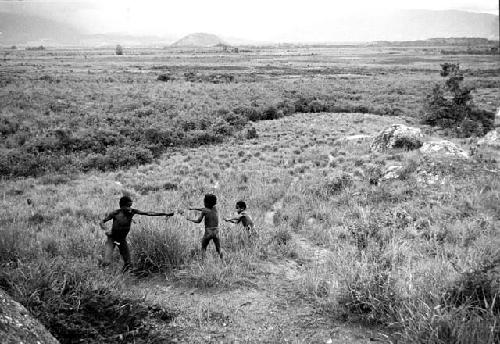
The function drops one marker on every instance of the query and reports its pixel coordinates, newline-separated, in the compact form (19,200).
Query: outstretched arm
(148,213)
(199,219)
(233,220)
(198,209)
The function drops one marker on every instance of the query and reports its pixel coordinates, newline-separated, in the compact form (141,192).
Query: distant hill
(199,40)
(21,29)
(408,25)
(424,24)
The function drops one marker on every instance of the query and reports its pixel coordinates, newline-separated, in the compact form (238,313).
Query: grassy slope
(283,286)
(328,249)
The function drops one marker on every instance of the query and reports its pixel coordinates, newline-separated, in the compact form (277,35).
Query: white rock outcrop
(391,172)
(490,139)
(18,326)
(397,136)
(443,148)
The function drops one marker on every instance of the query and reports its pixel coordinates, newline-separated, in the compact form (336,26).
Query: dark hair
(125,200)
(210,200)
(241,204)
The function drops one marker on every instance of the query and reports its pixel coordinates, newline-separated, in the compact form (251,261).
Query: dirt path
(271,312)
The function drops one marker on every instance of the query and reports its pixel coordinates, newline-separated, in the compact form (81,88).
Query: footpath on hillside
(271,311)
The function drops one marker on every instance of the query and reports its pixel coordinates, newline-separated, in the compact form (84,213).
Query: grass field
(338,259)
(76,110)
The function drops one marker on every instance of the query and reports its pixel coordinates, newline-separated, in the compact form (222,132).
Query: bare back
(211,218)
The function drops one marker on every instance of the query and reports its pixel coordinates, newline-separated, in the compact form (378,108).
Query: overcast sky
(256,19)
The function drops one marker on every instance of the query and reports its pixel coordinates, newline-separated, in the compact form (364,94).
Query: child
(242,217)
(209,212)
(122,219)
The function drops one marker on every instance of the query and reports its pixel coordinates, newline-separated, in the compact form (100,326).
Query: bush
(118,50)
(450,106)
(479,289)
(158,250)
(19,163)
(165,77)
(116,157)
(62,295)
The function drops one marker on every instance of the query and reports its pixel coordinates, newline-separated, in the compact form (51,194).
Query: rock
(391,172)
(397,136)
(443,147)
(429,178)
(18,326)
(490,139)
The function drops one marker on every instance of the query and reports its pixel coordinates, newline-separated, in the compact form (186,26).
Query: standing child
(209,213)
(243,217)
(117,236)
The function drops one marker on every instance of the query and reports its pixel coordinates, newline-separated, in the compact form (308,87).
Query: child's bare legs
(217,246)
(125,253)
(206,240)
(108,252)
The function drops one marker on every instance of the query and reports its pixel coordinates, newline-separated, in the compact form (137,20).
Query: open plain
(342,255)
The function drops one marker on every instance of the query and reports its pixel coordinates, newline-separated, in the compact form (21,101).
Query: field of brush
(80,110)
(338,258)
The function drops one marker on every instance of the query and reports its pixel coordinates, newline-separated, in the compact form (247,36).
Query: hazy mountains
(21,29)
(198,40)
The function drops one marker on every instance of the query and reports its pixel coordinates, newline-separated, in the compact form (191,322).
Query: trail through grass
(334,250)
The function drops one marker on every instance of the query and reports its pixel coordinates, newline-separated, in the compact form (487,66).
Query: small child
(117,236)
(209,213)
(243,217)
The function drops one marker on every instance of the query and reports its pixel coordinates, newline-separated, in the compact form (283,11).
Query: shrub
(63,296)
(158,250)
(165,77)
(479,289)
(450,106)
(118,50)
(14,245)
(40,47)
(116,157)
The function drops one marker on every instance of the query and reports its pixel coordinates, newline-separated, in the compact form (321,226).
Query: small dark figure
(117,236)
(209,213)
(243,217)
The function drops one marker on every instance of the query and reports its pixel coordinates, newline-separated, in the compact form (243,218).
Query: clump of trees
(450,106)
(40,47)
(118,49)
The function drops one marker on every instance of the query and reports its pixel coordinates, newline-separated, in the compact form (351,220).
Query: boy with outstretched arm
(209,213)
(243,217)
(117,236)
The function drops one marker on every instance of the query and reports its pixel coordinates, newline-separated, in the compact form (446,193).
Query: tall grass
(411,256)
(402,253)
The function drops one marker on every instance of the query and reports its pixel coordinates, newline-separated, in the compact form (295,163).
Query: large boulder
(490,139)
(397,136)
(443,148)
(391,172)
(18,326)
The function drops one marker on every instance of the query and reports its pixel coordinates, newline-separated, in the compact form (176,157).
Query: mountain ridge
(199,39)
(408,25)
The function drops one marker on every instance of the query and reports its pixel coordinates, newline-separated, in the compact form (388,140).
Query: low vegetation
(417,259)
(98,115)
(451,106)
